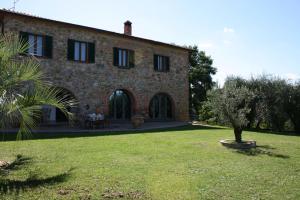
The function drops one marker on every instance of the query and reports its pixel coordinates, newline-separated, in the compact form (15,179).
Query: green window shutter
(48,47)
(116,56)
(91,50)
(167,64)
(24,38)
(71,44)
(155,62)
(131,58)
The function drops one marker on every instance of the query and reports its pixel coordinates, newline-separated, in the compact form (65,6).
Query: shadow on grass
(16,186)
(267,131)
(261,150)
(12,136)
(8,185)
(14,165)
(18,162)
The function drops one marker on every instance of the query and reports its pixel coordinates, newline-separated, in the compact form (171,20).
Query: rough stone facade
(92,84)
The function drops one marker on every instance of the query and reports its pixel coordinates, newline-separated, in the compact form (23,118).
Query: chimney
(127,28)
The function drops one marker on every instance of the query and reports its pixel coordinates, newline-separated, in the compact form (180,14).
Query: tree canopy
(275,106)
(200,77)
(231,104)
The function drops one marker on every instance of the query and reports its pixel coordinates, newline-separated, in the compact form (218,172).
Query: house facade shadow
(94,133)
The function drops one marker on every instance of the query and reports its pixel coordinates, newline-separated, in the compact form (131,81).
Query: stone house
(120,74)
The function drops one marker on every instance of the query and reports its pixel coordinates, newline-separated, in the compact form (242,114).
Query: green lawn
(182,163)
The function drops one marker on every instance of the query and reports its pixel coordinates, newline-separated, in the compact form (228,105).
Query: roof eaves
(5,11)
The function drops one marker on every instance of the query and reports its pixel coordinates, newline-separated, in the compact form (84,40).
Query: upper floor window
(123,58)
(81,51)
(161,63)
(38,45)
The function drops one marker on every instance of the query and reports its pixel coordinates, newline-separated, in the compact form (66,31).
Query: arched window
(120,105)
(160,107)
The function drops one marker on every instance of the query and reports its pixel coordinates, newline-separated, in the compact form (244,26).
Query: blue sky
(244,37)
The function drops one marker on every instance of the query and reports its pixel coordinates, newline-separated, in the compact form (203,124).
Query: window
(160,107)
(161,63)
(123,58)
(38,45)
(120,105)
(81,51)
(77,51)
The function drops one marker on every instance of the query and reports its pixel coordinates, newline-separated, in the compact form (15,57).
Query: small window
(31,44)
(77,51)
(38,45)
(81,51)
(161,63)
(123,58)
(35,45)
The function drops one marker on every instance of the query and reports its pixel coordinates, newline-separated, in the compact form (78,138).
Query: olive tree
(231,104)
(269,108)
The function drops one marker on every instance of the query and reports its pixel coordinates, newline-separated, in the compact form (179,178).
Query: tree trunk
(258,125)
(238,135)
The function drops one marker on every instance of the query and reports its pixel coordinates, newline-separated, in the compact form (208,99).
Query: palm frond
(23,89)
(11,46)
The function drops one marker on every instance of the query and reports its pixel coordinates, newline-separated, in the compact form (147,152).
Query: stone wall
(92,84)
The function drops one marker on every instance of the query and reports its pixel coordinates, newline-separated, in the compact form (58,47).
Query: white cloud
(228,30)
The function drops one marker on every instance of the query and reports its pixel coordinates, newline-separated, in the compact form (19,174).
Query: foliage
(277,102)
(200,78)
(206,114)
(231,104)
(276,105)
(292,105)
(269,105)
(24,89)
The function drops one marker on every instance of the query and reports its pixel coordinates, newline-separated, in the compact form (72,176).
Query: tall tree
(200,77)
(23,89)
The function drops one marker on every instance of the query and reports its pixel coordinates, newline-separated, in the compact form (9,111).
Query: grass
(181,163)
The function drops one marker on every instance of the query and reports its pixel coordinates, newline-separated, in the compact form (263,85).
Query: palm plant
(24,89)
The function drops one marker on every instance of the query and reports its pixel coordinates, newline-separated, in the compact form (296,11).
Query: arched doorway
(54,115)
(160,107)
(120,105)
